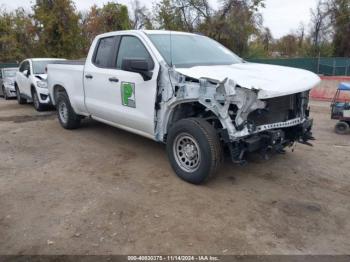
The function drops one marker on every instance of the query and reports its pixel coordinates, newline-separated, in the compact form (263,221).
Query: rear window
(104,56)
(10,73)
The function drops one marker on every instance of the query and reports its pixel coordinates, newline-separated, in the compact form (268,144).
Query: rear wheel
(36,102)
(4,93)
(66,115)
(194,150)
(342,128)
(20,99)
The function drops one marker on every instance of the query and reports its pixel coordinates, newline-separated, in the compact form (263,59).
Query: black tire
(199,134)
(37,105)
(342,128)
(20,99)
(4,93)
(67,118)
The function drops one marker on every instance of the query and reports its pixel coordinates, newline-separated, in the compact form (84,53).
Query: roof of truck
(149,32)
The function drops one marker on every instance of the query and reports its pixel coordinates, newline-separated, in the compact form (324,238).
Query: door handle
(89,77)
(114,79)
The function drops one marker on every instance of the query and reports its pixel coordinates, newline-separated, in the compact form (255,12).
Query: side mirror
(139,65)
(26,73)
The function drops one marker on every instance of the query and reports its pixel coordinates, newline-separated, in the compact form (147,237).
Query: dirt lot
(100,190)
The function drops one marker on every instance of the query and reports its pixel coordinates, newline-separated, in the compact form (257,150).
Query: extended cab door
(116,96)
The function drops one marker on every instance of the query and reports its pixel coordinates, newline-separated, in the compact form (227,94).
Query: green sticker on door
(128,94)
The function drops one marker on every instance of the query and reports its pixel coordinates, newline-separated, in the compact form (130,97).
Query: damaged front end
(246,123)
(252,125)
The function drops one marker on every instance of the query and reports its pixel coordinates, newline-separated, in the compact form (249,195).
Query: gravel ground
(100,190)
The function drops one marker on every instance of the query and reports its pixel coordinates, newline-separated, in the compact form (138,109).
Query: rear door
(102,98)
(120,97)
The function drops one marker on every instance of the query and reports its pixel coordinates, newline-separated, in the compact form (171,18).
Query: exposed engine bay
(245,122)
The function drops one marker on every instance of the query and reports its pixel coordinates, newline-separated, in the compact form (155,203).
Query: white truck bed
(69,74)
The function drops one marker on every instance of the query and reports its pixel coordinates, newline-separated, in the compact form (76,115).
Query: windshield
(10,73)
(39,67)
(192,50)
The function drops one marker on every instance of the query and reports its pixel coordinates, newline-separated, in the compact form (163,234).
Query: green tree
(340,12)
(321,28)
(182,15)
(235,23)
(167,16)
(114,17)
(142,18)
(111,17)
(288,45)
(58,30)
(91,27)
(17,35)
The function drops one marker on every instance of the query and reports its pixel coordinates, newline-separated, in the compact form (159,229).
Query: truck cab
(31,82)
(187,91)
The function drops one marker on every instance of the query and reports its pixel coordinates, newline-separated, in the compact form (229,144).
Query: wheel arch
(32,89)
(205,142)
(57,89)
(188,109)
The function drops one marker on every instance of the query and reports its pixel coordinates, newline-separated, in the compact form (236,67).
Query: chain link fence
(5,65)
(330,66)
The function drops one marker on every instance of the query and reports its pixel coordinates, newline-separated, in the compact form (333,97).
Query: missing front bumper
(275,140)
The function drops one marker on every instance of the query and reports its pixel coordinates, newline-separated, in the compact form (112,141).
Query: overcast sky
(281,16)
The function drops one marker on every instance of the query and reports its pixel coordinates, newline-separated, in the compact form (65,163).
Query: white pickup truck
(186,91)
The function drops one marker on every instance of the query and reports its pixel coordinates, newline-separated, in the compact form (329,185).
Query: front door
(117,96)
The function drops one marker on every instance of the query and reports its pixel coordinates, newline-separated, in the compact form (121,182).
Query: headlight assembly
(41,84)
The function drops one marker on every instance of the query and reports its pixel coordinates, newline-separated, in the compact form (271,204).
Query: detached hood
(272,81)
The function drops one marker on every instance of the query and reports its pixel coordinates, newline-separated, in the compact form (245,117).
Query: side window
(131,47)
(22,67)
(104,55)
(0,74)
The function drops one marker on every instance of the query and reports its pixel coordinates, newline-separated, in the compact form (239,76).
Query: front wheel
(194,150)
(4,93)
(66,115)
(36,102)
(20,99)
